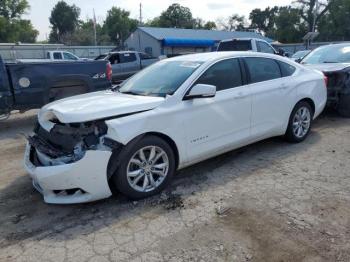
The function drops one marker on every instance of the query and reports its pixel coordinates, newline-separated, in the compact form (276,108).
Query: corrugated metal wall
(10,52)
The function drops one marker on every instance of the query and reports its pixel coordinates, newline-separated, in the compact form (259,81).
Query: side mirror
(201,91)
(298,60)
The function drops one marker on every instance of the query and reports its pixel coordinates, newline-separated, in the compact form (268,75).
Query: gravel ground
(270,201)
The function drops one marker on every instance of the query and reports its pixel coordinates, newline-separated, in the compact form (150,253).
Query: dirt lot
(271,201)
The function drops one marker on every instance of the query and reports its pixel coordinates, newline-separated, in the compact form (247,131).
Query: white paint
(201,128)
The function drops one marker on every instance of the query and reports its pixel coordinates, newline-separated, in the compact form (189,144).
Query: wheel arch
(310,102)
(113,166)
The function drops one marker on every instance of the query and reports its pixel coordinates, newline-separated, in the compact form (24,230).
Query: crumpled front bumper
(89,175)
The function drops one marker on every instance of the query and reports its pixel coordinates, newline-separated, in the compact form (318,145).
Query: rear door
(272,95)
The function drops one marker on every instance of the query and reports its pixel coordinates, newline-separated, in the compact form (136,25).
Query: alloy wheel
(147,168)
(301,122)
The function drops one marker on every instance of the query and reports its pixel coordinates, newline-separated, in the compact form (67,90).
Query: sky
(40,10)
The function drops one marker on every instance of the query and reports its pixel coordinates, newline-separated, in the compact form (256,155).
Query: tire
(129,178)
(297,133)
(343,107)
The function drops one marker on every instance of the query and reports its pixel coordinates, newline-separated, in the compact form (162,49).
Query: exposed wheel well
(310,102)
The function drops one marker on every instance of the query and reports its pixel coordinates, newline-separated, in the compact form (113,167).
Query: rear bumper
(85,180)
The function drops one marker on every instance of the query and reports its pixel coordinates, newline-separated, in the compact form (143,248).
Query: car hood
(97,105)
(328,67)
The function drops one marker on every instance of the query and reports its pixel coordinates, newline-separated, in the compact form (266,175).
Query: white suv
(172,114)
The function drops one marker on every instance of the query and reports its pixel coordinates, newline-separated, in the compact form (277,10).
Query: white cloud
(206,9)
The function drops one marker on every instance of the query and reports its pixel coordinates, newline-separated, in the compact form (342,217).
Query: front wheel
(299,123)
(146,167)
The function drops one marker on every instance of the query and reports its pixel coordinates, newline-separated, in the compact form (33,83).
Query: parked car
(126,63)
(25,86)
(173,114)
(298,56)
(58,56)
(334,62)
(246,44)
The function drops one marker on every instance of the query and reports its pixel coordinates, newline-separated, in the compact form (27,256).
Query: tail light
(326,80)
(109,72)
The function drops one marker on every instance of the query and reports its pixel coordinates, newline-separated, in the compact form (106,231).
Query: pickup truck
(248,44)
(126,63)
(25,86)
(55,56)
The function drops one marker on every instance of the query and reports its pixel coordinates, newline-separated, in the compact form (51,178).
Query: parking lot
(271,201)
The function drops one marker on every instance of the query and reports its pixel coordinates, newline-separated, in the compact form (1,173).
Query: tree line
(287,24)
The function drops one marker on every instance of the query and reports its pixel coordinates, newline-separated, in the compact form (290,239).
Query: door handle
(283,86)
(240,96)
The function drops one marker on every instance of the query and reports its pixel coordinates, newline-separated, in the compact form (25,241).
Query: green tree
(176,16)
(334,26)
(64,20)
(13,9)
(84,35)
(119,25)
(199,23)
(263,20)
(234,22)
(12,27)
(289,27)
(312,12)
(210,25)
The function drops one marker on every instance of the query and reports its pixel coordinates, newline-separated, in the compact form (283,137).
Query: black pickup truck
(25,86)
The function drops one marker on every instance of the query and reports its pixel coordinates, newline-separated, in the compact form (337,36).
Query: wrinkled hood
(328,67)
(97,105)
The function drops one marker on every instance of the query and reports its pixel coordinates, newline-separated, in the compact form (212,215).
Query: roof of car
(212,56)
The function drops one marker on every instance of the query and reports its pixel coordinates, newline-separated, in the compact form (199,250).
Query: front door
(214,125)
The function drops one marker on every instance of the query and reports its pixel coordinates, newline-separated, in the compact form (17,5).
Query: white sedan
(173,114)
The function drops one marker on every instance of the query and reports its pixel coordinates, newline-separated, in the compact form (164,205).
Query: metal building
(172,41)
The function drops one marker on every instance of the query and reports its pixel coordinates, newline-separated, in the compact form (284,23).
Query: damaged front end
(66,143)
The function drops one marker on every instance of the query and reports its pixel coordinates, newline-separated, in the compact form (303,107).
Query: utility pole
(95,35)
(140,18)
(315,15)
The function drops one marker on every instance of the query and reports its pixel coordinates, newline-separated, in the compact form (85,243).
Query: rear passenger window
(265,48)
(235,45)
(287,69)
(262,69)
(224,75)
(128,57)
(57,56)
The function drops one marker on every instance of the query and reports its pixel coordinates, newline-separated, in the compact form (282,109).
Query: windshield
(100,57)
(300,54)
(160,79)
(328,54)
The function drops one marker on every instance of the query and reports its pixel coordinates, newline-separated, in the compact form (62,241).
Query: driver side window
(225,74)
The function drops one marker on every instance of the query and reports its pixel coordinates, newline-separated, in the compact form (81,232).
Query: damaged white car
(173,114)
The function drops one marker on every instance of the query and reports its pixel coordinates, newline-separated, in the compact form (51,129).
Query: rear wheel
(146,167)
(299,123)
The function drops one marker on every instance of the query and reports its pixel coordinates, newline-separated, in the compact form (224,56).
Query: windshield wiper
(330,62)
(131,93)
(114,88)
